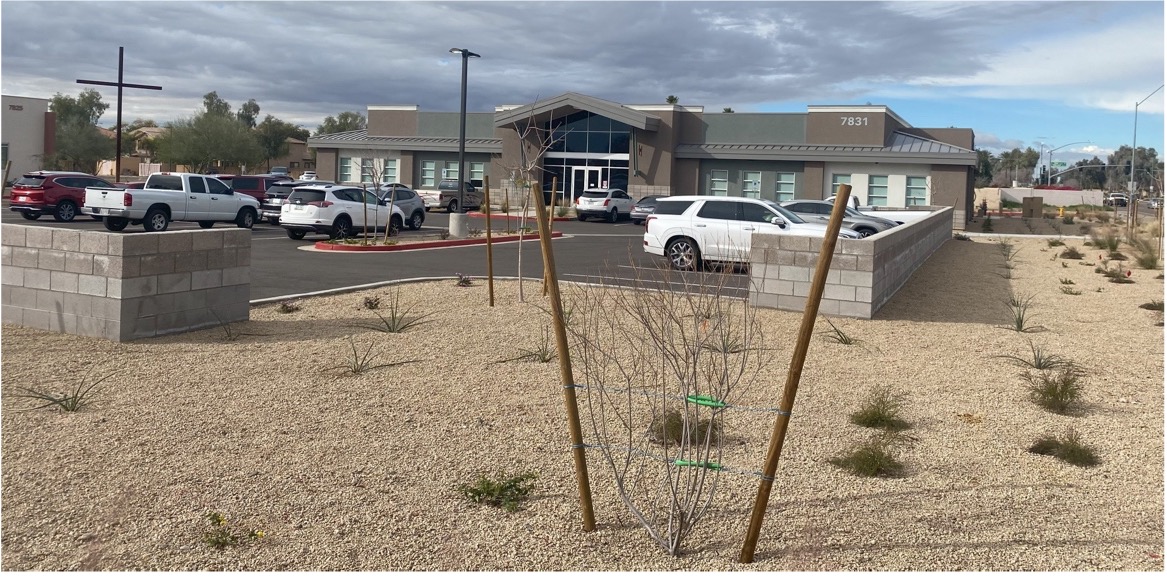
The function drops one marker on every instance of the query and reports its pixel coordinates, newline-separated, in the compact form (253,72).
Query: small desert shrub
(1107,239)
(1069,449)
(400,317)
(474,232)
(504,203)
(724,343)
(76,398)
(1007,249)
(358,363)
(464,280)
(562,211)
(1115,255)
(877,457)
(286,307)
(443,234)
(506,493)
(1058,391)
(1070,291)
(544,351)
(837,335)
(987,224)
(1066,281)
(220,536)
(1147,260)
(959,236)
(1118,275)
(1068,219)
(1038,359)
(669,429)
(1019,309)
(881,410)
(371,302)
(1152,306)
(1072,253)
(1055,242)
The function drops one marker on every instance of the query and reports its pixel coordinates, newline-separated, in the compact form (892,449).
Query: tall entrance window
(588,151)
(785,186)
(752,184)
(719,182)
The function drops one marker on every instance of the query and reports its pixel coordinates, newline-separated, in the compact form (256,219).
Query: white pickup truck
(171,196)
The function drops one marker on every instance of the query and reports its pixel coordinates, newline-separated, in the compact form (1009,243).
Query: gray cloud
(304,60)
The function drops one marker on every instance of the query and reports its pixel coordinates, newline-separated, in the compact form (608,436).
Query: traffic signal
(1127,168)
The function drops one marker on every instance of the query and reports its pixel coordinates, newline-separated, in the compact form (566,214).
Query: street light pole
(1049,173)
(458,227)
(1134,140)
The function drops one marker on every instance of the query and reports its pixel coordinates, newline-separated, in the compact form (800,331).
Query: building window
(917,191)
(451,170)
(477,170)
(877,190)
(719,182)
(346,169)
(367,170)
(752,184)
(837,179)
(785,186)
(389,174)
(429,169)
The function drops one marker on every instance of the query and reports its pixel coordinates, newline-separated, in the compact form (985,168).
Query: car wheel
(246,218)
(637,222)
(66,211)
(342,228)
(206,223)
(395,225)
(864,232)
(115,223)
(296,234)
(29,215)
(683,254)
(416,220)
(581,217)
(614,215)
(453,206)
(156,220)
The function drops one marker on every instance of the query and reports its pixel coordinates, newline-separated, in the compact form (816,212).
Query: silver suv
(820,211)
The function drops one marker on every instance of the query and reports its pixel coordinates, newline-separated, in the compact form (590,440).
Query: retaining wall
(864,273)
(123,286)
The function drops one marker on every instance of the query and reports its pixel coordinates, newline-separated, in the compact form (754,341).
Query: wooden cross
(120,85)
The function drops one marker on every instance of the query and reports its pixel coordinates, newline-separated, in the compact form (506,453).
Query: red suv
(60,194)
(254,185)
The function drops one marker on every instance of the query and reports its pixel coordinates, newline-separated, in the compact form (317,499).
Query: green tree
(272,135)
(79,144)
(1147,168)
(727,110)
(209,139)
(248,113)
(343,122)
(212,104)
(1091,174)
(672,99)
(984,170)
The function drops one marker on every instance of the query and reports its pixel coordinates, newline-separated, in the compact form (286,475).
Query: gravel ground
(358,472)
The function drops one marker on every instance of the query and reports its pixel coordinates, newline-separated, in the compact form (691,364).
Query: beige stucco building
(27,129)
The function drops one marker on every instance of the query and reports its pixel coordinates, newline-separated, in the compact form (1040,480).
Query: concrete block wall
(123,286)
(864,273)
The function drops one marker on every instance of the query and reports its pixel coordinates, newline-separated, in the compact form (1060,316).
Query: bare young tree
(375,169)
(661,366)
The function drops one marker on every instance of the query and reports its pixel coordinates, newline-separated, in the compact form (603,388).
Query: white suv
(335,210)
(609,203)
(690,229)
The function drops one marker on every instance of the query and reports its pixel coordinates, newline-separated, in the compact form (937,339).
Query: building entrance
(583,178)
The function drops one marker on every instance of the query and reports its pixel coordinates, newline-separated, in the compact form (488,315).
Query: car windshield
(303,196)
(789,216)
(853,212)
(29,181)
(595,194)
(648,201)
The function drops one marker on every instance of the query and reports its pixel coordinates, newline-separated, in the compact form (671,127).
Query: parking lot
(599,252)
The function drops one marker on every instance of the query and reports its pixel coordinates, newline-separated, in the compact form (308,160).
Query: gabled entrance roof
(569,102)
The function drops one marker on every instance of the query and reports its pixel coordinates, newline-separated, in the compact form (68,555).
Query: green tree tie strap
(704,464)
(705,401)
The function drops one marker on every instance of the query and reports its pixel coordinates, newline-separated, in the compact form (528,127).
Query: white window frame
(784,186)
(389,173)
(874,189)
(836,180)
(368,166)
(429,173)
(719,186)
(477,170)
(921,190)
(451,169)
(346,169)
(752,184)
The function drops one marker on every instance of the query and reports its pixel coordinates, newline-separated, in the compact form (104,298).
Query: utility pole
(1132,204)
(117,163)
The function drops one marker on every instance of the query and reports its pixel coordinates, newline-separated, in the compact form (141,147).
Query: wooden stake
(550,225)
(794,374)
(489,248)
(565,375)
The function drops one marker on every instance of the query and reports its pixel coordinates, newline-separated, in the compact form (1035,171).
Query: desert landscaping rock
(358,472)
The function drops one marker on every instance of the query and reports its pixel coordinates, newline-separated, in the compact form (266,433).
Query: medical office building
(670,150)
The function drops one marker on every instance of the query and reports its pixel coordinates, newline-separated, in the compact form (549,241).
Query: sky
(1046,74)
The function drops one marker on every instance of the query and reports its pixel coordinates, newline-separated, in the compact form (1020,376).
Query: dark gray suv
(448,196)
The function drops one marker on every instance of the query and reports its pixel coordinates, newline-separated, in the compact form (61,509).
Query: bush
(1152,306)
(881,410)
(669,429)
(1058,391)
(507,493)
(286,307)
(1072,253)
(876,457)
(1069,449)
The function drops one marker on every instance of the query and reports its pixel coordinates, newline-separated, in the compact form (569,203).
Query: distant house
(298,159)
(28,132)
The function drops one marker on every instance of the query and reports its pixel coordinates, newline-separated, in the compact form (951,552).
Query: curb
(327,246)
(476,214)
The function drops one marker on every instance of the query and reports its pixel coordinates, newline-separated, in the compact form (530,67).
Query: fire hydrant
(1061,211)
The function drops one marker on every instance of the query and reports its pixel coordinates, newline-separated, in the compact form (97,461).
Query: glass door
(583,178)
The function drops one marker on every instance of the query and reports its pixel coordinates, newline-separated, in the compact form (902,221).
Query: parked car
(689,230)
(277,195)
(609,203)
(448,195)
(58,193)
(255,185)
(407,200)
(336,210)
(280,170)
(644,207)
(170,196)
(820,210)
(1115,199)
(308,175)
(1156,203)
